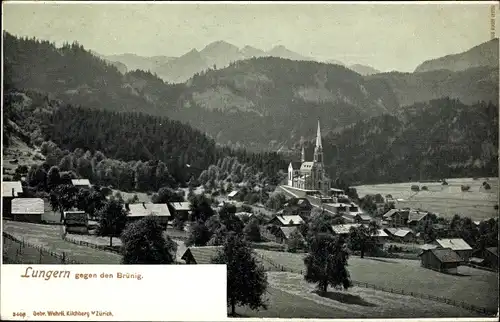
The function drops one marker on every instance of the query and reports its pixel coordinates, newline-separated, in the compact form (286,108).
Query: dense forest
(439,139)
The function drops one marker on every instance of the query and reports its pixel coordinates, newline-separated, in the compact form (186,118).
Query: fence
(461,304)
(113,249)
(19,251)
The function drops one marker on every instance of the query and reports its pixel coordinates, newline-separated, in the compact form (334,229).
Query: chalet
(284,233)
(233,195)
(181,209)
(343,230)
(283,220)
(381,237)
(76,222)
(81,183)
(397,217)
(361,218)
(440,259)
(416,217)
(400,235)
(10,190)
(298,207)
(458,245)
(200,255)
(28,209)
(138,211)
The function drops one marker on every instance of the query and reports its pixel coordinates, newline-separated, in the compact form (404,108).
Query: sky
(385,36)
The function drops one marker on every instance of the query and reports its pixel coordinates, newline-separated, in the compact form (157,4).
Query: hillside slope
(483,55)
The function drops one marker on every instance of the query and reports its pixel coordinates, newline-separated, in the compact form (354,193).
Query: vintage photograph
(341,159)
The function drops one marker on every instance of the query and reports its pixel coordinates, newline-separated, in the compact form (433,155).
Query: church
(310,175)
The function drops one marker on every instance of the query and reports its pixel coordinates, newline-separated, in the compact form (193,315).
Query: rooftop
(146,209)
(201,255)
(454,244)
(445,255)
(181,206)
(81,182)
(28,206)
(287,231)
(343,229)
(285,220)
(9,186)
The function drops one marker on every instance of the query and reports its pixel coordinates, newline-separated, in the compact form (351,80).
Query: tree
(326,263)
(320,223)
(143,243)
(201,208)
(252,231)
(276,201)
(112,219)
(53,178)
(63,198)
(166,195)
(246,281)
(199,234)
(295,242)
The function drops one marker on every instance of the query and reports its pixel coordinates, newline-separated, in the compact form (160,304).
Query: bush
(424,188)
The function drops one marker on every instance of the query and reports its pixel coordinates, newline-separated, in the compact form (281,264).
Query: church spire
(318,137)
(303,155)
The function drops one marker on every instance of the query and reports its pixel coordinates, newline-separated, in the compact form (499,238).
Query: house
(28,209)
(490,256)
(81,183)
(400,235)
(138,211)
(397,217)
(283,220)
(458,245)
(298,206)
(233,195)
(76,222)
(10,190)
(440,259)
(200,255)
(416,217)
(381,237)
(343,230)
(361,218)
(181,209)
(284,233)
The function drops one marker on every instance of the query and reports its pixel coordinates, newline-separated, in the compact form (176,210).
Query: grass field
(473,286)
(290,296)
(50,237)
(478,204)
(19,153)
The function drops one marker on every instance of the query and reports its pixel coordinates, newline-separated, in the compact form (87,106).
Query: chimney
(13,193)
(144,204)
(127,207)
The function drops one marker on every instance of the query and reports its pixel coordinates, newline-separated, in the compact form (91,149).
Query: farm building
(456,244)
(381,237)
(10,190)
(343,230)
(181,209)
(283,220)
(440,259)
(138,211)
(233,195)
(200,255)
(400,235)
(490,256)
(28,209)
(397,217)
(416,217)
(298,206)
(76,222)
(81,183)
(362,218)
(284,233)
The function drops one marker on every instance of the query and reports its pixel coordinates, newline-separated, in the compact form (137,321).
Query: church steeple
(318,149)
(303,155)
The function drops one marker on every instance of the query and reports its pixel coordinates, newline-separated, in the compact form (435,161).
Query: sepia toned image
(340,159)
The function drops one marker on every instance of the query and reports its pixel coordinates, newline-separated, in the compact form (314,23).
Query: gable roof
(390,213)
(492,250)
(444,255)
(402,232)
(454,244)
(146,209)
(417,216)
(181,206)
(28,206)
(285,220)
(233,193)
(243,213)
(362,216)
(344,229)
(287,231)
(307,166)
(7,187)
(381,233)
(80,182)
(201,255)
(159,209)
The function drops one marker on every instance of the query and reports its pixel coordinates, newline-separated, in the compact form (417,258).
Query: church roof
(318,137)
(307,166)
(296,164)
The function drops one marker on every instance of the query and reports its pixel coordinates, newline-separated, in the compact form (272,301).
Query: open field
(478,204)
(473,286)
(49,237)
(291,297)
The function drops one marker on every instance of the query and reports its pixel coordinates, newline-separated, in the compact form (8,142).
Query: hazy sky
(385,36)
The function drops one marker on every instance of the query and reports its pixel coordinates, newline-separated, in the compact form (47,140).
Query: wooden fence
(107,248)
(461,304)
(19,251)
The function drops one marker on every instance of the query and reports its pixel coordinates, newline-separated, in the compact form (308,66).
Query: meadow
(477,203)
(473,286)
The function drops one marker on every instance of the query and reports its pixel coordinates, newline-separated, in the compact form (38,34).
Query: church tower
(303,155)
(318,149)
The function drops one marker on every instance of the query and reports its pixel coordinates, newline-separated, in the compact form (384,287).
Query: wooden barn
(458,245)
(76,222)
(28,209)
(138,211)
(200,255)
(440,259)
(10,190)
(283,220)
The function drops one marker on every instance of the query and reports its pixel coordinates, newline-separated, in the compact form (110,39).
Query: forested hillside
(434,140)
